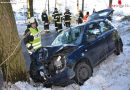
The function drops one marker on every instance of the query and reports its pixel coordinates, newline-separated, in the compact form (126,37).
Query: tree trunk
(110,3)
(30,8)
(48,7)
(77,5)
(82,5)
(14,68)
(55,3)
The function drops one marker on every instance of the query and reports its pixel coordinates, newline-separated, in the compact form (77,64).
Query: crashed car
(75,52)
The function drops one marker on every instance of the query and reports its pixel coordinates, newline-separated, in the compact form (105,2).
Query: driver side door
(95,43)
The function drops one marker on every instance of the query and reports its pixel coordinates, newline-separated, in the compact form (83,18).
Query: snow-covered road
(111,74)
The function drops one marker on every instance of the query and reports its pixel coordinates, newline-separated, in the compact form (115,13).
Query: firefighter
(67,18)
(55,14)
(32,38)
(80,17)
(86,17)
(45,20)
(59,21)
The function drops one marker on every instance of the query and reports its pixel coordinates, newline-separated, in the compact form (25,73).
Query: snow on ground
(111,74)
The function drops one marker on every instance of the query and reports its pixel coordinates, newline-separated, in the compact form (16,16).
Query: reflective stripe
(28,45)
(67,14)
(38,46)
(36,43)
(67,21)
(58,22)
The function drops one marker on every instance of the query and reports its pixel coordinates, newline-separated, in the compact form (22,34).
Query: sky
(39,5)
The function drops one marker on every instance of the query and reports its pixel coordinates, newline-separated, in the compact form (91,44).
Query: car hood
(49,51)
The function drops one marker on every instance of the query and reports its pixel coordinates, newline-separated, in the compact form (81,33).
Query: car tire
(34,72)
(82,72)
(119,47)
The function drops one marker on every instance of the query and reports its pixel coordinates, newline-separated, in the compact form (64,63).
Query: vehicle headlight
(60,63)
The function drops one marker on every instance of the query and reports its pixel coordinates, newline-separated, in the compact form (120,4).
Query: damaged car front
(53,64)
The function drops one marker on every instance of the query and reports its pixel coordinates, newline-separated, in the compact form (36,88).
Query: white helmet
(44,10)
(32,20)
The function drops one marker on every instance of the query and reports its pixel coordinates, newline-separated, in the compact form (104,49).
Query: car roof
(102,14)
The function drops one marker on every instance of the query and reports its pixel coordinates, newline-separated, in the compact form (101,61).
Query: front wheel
(82,72)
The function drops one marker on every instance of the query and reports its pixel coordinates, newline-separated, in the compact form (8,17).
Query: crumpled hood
(56,49)
(49,51)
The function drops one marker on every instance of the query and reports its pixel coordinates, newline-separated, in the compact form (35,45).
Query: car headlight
(60,63)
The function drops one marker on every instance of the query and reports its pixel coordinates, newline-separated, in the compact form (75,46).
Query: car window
(104,26)
(70,36)
(93,32)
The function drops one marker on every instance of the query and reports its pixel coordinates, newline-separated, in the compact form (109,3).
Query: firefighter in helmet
(32,38)
(80,17)
(67,18)
(55,14)
(45,20)
(59,20)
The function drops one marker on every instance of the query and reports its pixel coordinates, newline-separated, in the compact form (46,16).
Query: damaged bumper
(61,78)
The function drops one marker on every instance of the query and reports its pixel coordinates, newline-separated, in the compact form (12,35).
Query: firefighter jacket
(67,16)
(34,39)
(55,14)
(59,19)
(85,18)
(80,18)
(45,17)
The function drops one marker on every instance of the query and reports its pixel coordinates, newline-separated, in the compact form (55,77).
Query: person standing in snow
(32,37)
(86,17)
(94,10)
(80,17)
(67,18)
(45,20)
(59,20)
(54,15)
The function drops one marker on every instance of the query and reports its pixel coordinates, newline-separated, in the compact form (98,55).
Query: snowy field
(111,74)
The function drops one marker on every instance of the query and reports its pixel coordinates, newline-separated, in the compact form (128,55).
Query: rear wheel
(83,71)
(119,47)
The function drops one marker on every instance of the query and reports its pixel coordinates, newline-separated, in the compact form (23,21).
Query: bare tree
(30,8)
(13,68)
(77,5)
(82,5)
(48,7)
(110,3)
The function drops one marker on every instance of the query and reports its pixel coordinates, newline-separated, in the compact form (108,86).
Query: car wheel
(82,72)
(119,47)
(34,73)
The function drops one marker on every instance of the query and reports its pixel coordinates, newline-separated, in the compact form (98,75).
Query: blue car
(75,52)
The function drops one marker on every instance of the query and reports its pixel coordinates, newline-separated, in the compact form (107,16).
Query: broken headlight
(60,63)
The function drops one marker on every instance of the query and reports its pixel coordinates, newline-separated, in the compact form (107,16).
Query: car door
(108,34)
(96,44)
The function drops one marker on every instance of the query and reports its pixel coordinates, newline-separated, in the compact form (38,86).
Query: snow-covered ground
(111,74)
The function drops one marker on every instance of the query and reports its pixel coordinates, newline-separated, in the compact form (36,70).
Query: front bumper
(62,77)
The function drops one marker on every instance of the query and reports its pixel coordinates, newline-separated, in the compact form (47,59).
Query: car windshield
(70,36)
